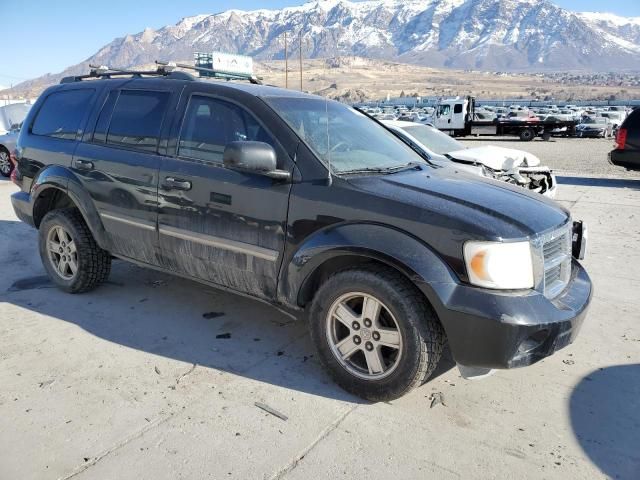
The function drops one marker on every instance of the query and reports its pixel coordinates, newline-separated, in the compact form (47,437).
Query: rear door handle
(84,164)
(176,184)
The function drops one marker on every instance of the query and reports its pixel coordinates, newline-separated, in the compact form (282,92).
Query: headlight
(505,266)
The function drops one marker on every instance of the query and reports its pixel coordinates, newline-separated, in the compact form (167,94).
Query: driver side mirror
(256,157)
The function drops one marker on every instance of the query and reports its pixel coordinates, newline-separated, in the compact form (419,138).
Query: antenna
(301,61)
(326,109)
(286,62)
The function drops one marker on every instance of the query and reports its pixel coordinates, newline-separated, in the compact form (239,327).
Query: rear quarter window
(61,114)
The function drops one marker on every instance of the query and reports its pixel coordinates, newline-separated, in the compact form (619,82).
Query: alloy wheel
(5,163)
(62,252)
(364,336)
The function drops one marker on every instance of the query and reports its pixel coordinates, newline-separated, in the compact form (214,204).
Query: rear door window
(210,125)
(61,114)
(137,119)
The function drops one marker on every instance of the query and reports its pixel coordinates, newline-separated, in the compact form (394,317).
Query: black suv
(310,206)
(627,151)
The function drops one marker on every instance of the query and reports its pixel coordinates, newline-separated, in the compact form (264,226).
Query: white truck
(457,117)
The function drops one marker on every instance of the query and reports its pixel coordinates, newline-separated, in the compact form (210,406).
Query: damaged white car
(506,164)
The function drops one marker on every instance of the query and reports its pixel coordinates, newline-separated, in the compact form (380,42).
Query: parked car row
(571,120)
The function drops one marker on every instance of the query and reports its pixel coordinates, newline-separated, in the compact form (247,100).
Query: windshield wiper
(385,170)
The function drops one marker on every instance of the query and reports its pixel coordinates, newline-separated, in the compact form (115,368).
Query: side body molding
(62,178)
(393,247)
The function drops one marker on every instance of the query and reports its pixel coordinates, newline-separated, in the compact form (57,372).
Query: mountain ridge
(490,35)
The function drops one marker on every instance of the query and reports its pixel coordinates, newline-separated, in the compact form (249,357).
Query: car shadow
(599,182)
(605,416)
(176,318)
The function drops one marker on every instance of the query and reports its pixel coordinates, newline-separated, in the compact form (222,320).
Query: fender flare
(61,178)
(412,257)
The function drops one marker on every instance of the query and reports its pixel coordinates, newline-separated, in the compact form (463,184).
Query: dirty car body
(278,195)
(506,164)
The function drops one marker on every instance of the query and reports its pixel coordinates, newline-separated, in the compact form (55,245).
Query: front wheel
(375,333)
(70,255)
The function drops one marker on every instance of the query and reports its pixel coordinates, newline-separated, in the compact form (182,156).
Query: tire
(67,229)
(405,320)
(546,136)
(527,135)
(6,167)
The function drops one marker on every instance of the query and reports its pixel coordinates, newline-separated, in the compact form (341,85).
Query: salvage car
(307,205)
(505,164)
(594,127)
(7,145)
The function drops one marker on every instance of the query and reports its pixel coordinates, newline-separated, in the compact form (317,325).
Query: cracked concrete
(82,398)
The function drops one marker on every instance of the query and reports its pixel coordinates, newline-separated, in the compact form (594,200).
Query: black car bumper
(498,330)
(625,158)
(21,202)
(590,133)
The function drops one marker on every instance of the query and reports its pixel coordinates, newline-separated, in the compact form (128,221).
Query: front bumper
(498,330)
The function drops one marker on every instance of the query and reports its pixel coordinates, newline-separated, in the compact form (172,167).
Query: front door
(216,224)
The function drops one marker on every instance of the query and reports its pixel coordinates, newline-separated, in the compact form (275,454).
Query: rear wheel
(375,333)
(527,135)
(5,163)
(70,255)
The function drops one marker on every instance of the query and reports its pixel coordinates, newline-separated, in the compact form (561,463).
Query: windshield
(433,139)
(343,137)
(13,115)
(594,120)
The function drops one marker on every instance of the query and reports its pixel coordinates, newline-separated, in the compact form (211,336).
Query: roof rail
(170,66)
(102,71)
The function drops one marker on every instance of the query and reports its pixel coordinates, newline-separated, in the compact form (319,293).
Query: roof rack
(165,69)
(210,72)
(102,71)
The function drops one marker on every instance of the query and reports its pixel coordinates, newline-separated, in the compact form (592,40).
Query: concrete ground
(131,382)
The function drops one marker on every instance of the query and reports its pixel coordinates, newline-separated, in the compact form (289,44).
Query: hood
(434,198)
(496,158)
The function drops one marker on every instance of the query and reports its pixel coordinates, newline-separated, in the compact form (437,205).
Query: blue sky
(47,36)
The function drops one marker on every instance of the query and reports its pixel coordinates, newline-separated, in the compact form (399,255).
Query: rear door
(217,224)
(119,167)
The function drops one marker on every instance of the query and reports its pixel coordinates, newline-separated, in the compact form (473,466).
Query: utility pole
(300,60)
(286,62)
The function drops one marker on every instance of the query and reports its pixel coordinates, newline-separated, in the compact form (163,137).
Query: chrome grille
(556,251)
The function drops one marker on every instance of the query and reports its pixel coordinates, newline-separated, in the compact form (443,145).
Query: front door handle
(176,184)
(84,164)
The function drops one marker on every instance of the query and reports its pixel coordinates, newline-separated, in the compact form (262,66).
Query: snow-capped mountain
(625,28)
(467,34)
